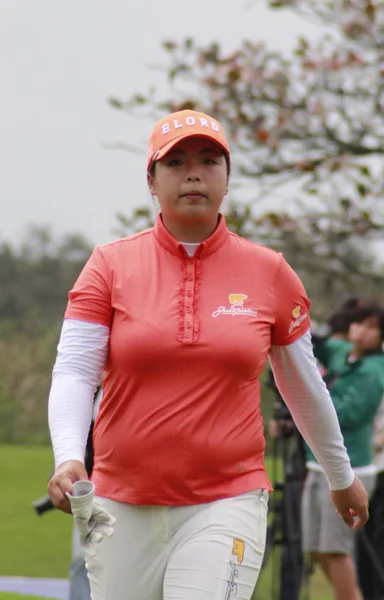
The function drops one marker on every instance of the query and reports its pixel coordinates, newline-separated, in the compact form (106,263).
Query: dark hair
(367,310)
(340,321)
(350,303)
(152,168)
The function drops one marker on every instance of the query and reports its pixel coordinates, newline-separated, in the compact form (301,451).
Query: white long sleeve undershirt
(81,357)
(300,384)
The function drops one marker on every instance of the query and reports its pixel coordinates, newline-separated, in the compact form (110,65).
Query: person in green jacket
(354,375)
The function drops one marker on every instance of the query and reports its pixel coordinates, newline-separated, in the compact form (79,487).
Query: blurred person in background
(370,541)
(354,375)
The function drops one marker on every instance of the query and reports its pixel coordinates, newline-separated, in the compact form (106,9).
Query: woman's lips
(193,195)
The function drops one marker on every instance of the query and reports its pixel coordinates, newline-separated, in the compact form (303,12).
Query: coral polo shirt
(180,419)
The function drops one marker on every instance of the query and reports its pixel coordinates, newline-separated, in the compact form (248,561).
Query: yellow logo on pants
(238,549)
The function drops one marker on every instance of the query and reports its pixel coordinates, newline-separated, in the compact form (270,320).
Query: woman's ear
(151,184)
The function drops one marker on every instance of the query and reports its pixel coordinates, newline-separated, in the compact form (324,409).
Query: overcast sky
(59,62)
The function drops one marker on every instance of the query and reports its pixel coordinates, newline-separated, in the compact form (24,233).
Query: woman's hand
(352,504)
(62,481)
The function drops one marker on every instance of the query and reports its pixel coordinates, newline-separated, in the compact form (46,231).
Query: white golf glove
(92,521)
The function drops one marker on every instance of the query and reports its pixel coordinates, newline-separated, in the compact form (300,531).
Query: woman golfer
(182,317)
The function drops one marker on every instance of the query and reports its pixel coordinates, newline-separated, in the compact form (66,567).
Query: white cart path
(45,588)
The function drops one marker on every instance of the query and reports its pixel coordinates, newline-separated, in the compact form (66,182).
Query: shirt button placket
(188,303)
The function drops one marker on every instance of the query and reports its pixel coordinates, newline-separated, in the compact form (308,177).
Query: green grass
(268,581)
(35,546)
(31,546)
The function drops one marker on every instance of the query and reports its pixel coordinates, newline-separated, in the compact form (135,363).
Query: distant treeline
(34,281)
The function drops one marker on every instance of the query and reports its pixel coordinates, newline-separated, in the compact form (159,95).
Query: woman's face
(365,335)
(191,181)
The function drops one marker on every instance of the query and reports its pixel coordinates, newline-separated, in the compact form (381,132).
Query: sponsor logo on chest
(236,307)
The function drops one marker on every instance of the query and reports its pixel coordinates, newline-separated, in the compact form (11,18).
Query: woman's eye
(174,163)
(210,161)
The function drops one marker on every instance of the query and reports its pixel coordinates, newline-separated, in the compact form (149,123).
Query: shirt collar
(206,248)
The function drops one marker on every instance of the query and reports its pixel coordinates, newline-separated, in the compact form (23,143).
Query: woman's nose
(193,177)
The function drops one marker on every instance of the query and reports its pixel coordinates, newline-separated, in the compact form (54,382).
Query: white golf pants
(209,551)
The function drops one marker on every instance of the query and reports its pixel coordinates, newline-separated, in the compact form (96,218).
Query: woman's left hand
(352,504)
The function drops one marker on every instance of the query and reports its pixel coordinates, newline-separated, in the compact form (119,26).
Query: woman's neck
(194,233)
